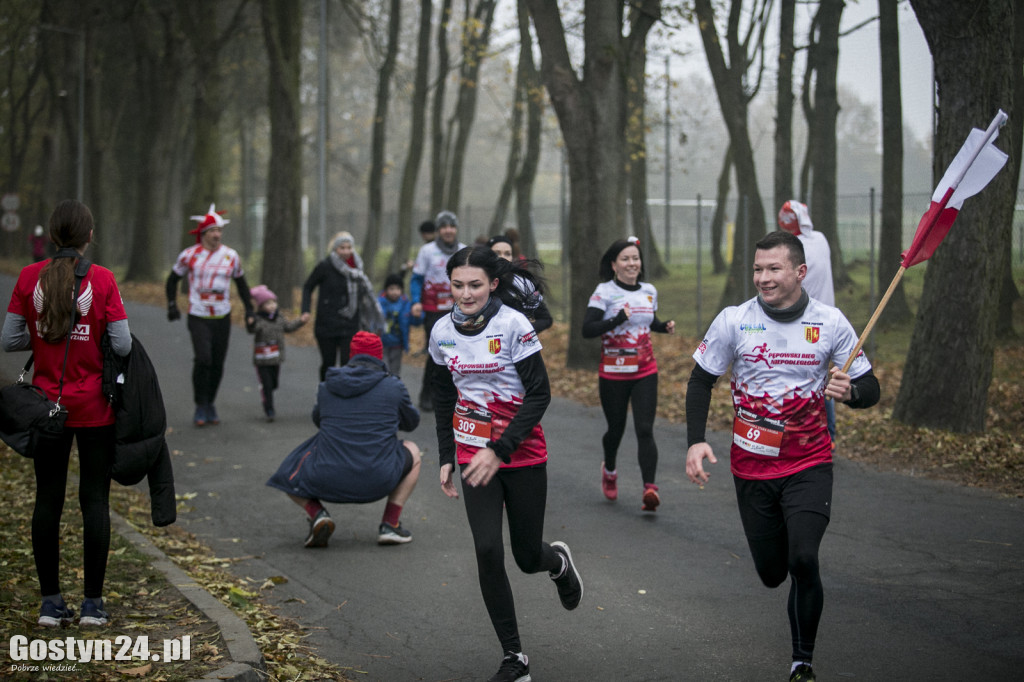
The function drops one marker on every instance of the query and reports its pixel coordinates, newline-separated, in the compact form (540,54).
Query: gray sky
(859,60)
(859,63)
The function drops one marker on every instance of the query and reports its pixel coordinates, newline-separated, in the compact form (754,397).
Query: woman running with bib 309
(490,390)
(623,312)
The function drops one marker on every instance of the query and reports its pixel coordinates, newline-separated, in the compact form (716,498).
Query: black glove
(172,311)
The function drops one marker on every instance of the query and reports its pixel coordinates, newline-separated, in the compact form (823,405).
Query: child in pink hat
(269,328)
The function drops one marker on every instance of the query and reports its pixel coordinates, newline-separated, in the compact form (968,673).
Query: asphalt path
(923,580)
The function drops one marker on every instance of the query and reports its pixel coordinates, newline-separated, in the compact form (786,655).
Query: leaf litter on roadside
(141,601)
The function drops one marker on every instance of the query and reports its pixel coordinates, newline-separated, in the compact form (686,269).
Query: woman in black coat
(345,305)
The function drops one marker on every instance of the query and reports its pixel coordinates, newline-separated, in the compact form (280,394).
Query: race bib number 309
(472,427)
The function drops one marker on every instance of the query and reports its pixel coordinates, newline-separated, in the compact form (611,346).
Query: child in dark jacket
(269,329)
(397,309)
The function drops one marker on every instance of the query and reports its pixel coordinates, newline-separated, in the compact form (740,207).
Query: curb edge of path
(247,661)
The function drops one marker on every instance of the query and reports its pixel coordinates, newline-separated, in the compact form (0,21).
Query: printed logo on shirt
(464,368)
(812,334)
(753,328)
(494,346)
(446,343)
(760,354)
(80,332)
(702,347)
(528,338)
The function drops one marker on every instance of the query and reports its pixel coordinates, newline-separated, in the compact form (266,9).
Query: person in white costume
(796,219)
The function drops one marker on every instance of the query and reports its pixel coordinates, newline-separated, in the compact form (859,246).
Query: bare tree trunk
(826,109)
(784,106)
(158,46)
(591,114)
(891,234)
(515,146)
(438,160)
(25,108)
(282,262)
(718,217)
(808,109)
(379,137)
(949,364)
(733,98)
(199,19)
(411,172)
(534,88)
(1008,293)
(636,160)
(476,37)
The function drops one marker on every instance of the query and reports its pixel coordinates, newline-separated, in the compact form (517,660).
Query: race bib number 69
(757,434)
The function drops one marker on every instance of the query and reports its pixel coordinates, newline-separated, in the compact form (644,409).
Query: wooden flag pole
(908,256)
(874,318)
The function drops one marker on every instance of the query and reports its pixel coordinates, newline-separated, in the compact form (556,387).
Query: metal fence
(684,226)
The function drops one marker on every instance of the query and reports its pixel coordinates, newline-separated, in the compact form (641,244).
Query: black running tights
(95,456)
(268,376)
(794,552)
(334,352)
(210,348)
(523,493)
(616,397)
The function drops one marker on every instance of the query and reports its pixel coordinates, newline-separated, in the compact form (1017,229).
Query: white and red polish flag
(974,166)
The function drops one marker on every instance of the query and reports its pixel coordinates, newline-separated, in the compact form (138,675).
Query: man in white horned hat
(795,218)
(210,267)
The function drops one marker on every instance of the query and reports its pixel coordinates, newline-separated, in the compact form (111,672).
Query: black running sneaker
(392,535)
(92,613)
(320,529)
(514,668)
(52,614)
(802,673)
(570,587)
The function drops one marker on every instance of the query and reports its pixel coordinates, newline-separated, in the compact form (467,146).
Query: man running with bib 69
(780,345)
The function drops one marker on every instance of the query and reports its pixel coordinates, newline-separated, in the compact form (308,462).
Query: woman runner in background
(623,312)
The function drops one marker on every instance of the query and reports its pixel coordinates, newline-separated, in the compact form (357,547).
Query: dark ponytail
(71,227)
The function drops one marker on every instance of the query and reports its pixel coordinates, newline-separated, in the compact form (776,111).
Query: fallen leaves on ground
(140,599)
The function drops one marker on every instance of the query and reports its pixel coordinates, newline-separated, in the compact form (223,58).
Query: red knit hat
(366,343)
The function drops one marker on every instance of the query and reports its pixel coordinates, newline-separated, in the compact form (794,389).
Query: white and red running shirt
(490,389)
(209,278)
(626,351)
(99,304)
(432,263)
(779,370)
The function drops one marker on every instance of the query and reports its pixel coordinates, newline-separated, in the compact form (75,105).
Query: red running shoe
(609,484)
(651,497)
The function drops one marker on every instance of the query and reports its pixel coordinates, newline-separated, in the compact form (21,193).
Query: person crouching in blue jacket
(397,309)
(356,456)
